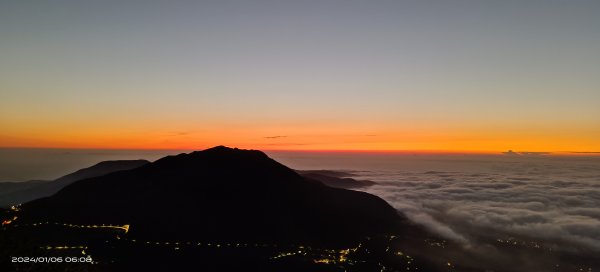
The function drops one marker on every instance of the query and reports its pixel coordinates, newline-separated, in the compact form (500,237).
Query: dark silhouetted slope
(220,194)
(336,179)
(12,193)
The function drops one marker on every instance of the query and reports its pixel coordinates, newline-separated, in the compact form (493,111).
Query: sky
(468,76)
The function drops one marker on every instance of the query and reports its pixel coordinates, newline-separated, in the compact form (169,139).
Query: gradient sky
(370,75)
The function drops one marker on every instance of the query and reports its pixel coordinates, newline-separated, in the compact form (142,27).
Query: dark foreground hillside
(215,210)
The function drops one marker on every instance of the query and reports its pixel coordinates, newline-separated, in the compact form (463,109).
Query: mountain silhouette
(13,193)
(220,194)
(337,179)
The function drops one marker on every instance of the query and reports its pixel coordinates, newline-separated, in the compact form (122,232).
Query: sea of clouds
(554,202)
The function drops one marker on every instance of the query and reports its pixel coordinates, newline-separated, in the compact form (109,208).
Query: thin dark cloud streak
(526,153)
(285,144)
(275,137)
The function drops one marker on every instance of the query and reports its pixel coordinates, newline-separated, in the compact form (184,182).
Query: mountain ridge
(220,193)
(21,192)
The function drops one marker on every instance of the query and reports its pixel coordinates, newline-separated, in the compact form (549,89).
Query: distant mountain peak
(29,191)
(225,150)
(221,148)
(138,162)
(218,155)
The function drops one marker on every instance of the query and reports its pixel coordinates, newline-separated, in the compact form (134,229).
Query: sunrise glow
(280,81)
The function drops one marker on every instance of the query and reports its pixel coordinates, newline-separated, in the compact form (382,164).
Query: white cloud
(553,203)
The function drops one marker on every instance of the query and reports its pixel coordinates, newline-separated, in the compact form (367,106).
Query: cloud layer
(555,203)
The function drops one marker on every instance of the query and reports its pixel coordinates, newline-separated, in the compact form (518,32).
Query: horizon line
(387,151)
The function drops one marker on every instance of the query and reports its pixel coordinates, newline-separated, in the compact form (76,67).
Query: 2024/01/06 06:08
(87,259)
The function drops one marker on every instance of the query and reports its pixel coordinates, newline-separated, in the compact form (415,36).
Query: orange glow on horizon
(388,143)
(301,136)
